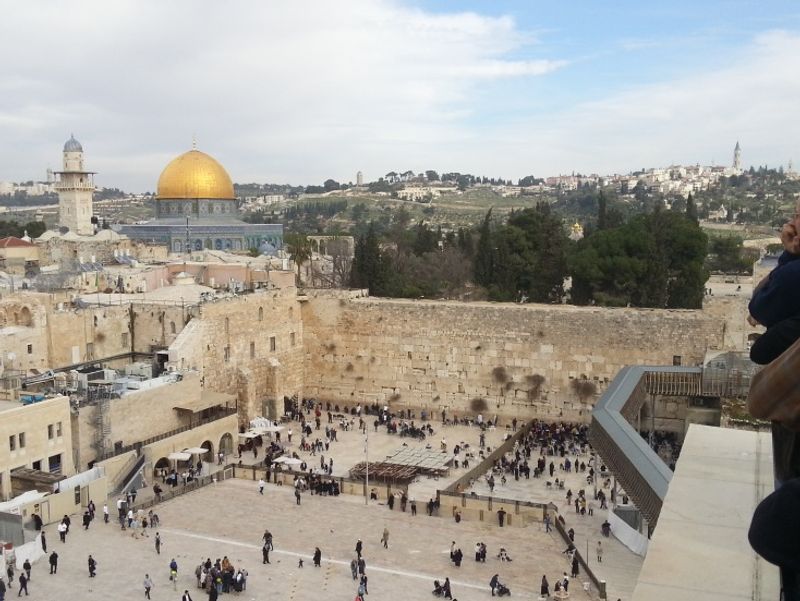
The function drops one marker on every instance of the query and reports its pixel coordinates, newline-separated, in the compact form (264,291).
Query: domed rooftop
(72,145)
(195,174)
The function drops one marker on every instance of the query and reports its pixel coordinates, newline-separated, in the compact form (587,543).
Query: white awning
(179,457)
(196,450)
(288,461)
(248,435)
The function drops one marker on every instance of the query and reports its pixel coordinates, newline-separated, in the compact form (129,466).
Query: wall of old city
(521,359)
(249,345)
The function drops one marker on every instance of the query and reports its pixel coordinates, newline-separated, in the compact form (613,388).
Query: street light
(366,454)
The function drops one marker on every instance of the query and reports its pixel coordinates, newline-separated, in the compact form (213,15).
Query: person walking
(148,584)
(544,590)
(413,507)
(62,532)
(501,516)
(158,543)
(173,573)
(354,568)
(317,557)
(261,484)
(53,562)
(599,552)
(27,567)
(359,547)
(2,590)
(575,566)
(446,589)
(92,567)
(385,538)
(297,495)
(265,553)
(186,596)
(44,543)
(105,513)
(23,585)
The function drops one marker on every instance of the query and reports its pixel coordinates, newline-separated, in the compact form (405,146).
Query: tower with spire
(75,187)
(737,157)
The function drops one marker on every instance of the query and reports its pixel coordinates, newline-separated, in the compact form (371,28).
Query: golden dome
(195,174)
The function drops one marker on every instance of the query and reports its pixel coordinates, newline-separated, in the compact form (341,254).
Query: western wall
(526,360)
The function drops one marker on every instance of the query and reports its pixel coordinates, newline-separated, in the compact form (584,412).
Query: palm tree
(299,248)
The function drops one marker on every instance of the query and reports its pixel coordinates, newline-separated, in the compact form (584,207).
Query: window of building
(55,464)
(21,439)
(227,353)
(12,442)
(90,349)
(252,350)
(37,465)
(30,349)
(125,339)
(51,432)
(77,495)
(272,344)
(676,359)
(58,430)
(227,325)
(261,314)
(172,327)
(291,338)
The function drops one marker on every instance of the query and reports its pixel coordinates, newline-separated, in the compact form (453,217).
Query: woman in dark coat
(545,590)
(317,557)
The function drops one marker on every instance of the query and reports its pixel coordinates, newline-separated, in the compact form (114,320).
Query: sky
(295,91)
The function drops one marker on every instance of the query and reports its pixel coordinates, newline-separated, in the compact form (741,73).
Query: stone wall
(527,360)
(231,342)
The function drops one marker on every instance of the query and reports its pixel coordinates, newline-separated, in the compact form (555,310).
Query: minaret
(737,157)
(75,187)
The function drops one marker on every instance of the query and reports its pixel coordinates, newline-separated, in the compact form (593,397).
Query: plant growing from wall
(478,404)
(584,389)
(534,382)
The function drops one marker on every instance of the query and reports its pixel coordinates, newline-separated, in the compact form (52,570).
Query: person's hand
(790,237)
(752,321)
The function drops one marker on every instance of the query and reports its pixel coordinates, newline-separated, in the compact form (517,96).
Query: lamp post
(366,454)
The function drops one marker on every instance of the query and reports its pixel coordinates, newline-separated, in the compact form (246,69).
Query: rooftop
(721,476)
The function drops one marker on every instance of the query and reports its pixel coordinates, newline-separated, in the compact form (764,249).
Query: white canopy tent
(288,461)
(179,456)
(196,450)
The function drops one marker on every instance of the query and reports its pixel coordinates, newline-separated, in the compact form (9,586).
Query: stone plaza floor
(620,567)
(229,518)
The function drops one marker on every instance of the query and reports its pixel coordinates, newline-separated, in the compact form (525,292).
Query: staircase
(102,424)
(132,479)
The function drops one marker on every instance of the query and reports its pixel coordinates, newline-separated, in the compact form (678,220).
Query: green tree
(691,209)
(431,175)
(369,268)
(602,211)
(484,252)
(299,249)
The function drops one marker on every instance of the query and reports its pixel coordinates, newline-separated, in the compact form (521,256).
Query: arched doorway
(161,468)
(207,444)
(226,444)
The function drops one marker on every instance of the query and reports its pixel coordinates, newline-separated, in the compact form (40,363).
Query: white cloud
(298,91)
(277,91)
(695,118)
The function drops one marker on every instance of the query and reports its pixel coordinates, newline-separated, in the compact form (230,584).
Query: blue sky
(302,90)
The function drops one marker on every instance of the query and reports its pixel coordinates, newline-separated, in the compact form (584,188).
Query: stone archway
(207,444)
(226,444)
(159,467)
